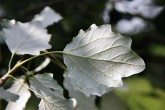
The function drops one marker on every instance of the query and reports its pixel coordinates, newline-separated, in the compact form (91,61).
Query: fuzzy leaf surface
(24,94)
(83,102)
(47,17)
(7,95)
(27,38)
(98,59)
(52,94)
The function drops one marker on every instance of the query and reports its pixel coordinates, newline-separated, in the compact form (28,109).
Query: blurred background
(142,20)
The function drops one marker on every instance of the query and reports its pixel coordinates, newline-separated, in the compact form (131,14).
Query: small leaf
(52,97)
(24,94)
(8,95)
(27,38)
(98,59)
(83,102)
(47,17)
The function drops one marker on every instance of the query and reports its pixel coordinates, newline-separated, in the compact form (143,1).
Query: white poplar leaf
(98,59)
(55,103)
(52,93)
(27,38)
(8,95)
(83,102)
(47,17)
(24,94)
(44,64)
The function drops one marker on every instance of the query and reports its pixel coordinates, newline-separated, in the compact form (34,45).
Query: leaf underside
(7,95)
(98,58)
(52,96)
(27,38)
(24,94)
(83,102)
(47,17)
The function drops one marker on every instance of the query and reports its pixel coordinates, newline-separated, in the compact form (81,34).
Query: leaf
(83,102)
(8,95)
(52,94)
(47,17)
(44,64)
(98,59)
(27,38)
(24,94)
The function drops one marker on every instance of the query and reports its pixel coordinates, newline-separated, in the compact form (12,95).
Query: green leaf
(27,38)
(24,94)
(98,58)
(47,17)
(52,97)
(8,95)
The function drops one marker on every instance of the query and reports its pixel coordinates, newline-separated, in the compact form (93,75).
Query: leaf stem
(26,86)
(56,61)
(4,78)
(12,56)
(46,53)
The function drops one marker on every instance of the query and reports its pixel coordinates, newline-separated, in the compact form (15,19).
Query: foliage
(97,60)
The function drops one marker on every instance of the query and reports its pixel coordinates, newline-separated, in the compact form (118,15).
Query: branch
(5,77)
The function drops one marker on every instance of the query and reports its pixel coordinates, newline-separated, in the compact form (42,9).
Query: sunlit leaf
(52,97)
(47,17)
(27,38)
(24,94)
(7,95)
(83,102)
(98,59)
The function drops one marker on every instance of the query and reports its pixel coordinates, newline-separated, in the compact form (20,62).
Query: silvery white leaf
(145,8)
(98,59)
(8,95)
(133,26)
(27,38)
(55,103)
(44,64)
(47,86)
(24,94)
(52,94)
(83,102)
(47,17)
